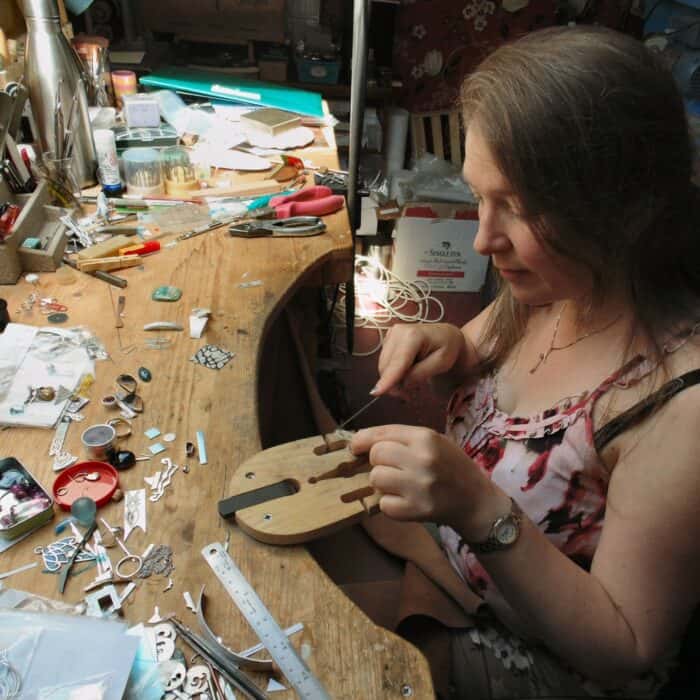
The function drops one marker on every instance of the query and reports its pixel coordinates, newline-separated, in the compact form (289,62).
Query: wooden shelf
(341,91)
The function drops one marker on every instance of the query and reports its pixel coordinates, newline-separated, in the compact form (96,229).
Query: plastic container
(24,504)
(142,171)
(107,162)
(124,83)
(317,70)
(154,137)
(180,174)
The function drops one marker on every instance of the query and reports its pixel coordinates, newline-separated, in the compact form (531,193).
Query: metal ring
(116,422)
(124,560)
(127,383)
(109,401)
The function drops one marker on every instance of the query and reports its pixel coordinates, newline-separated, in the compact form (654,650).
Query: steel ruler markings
(260,619)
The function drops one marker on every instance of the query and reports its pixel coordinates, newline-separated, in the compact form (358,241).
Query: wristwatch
(504,532)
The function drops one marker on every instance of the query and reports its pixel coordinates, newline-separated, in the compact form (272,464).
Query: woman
(570,508)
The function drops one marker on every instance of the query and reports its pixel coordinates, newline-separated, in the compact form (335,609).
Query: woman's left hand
(422,475)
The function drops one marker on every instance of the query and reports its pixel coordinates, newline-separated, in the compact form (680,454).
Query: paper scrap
(156,448)
(134,511)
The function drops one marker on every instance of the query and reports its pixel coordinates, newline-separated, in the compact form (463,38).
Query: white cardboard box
(434,243)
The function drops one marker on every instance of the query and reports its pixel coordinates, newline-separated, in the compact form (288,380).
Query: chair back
(439,133)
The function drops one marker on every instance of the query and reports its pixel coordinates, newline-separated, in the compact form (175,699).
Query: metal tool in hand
(279,228)
(357,413)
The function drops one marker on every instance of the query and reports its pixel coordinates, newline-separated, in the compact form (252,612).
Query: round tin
(99,440)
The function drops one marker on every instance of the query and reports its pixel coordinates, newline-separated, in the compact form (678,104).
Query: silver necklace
(552,347)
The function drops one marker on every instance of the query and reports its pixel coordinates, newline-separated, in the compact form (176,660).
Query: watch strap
(492,543)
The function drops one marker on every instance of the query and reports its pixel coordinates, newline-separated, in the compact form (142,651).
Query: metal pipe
(358,91)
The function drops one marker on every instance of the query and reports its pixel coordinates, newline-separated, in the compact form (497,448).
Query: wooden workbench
(353,658)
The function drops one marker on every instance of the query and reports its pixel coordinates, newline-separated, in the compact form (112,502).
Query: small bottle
(107,163)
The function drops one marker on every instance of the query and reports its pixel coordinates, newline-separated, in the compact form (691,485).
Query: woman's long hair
(590,129)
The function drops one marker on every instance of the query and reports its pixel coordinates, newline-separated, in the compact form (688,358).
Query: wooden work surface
(352,657)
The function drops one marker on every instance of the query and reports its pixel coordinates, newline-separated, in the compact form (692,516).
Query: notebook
(235,88)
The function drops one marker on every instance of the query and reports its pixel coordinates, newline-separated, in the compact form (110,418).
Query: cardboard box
(10,264)
(38,219)
(434,243)
(217,20)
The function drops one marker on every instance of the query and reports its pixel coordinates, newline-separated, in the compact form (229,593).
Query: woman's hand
(414,353)
(424,476)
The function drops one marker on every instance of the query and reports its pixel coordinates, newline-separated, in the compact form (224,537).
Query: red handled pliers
(311,201)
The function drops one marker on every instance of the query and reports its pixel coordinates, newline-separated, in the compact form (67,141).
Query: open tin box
(24,504)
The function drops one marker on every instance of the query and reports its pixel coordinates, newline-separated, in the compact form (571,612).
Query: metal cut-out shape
(212,356)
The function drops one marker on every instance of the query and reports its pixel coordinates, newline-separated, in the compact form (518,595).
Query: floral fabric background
(437,42)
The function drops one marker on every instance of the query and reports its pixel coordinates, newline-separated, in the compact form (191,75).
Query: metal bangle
(126,559)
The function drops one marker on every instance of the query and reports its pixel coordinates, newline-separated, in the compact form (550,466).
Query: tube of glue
(140,248)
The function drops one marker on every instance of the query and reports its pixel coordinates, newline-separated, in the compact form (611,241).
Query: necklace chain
(553,348)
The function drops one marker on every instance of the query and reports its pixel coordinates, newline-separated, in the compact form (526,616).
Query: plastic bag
(431,179)
(93,688)
(16,652)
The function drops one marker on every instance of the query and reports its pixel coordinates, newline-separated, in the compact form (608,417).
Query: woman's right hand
(414,353)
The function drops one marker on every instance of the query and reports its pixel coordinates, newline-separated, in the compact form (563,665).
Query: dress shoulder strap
(644,408)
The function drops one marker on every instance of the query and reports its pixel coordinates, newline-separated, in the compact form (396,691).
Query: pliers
(311,201)
(293,226)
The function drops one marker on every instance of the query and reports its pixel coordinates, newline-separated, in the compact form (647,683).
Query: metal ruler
(265,626)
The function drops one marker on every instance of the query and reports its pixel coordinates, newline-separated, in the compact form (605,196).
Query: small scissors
(293,226)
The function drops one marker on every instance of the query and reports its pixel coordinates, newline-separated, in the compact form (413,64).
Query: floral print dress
(549,464)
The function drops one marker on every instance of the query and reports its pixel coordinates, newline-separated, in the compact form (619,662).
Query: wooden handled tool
(301,490)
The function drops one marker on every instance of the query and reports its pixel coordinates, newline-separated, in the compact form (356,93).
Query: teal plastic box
(312,70)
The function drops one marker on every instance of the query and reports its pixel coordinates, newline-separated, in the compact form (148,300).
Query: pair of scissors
(293,226)
(311,201)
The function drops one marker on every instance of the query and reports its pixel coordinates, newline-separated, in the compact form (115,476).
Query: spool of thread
(124,83)
(107,163)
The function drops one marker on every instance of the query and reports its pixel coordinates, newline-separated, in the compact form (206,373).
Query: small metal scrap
(19,569)
(164,480)
(169,586)
(103,602)
(189,602)
(159,561)
(252,283)
(212,356)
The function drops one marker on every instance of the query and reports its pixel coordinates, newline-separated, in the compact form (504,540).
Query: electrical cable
(382,296)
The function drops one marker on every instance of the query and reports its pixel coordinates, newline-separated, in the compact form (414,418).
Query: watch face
(507,532)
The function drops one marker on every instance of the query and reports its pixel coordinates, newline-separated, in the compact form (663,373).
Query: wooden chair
(439,133)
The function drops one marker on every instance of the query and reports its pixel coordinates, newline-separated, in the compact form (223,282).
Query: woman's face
(536,274)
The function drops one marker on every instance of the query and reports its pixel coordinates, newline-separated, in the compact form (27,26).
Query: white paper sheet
(21,357)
